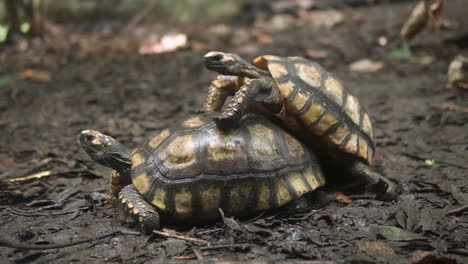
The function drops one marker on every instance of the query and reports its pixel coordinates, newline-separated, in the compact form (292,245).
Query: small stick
(173,234)
(12,244)
(225,246)
(458,210)
(198,254)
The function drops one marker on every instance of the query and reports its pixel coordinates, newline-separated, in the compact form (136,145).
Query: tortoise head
(105,150)
(231,64)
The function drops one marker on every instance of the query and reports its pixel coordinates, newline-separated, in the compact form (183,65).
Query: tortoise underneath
(189,171)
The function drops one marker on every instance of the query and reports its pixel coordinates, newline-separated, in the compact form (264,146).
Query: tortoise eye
(89,137)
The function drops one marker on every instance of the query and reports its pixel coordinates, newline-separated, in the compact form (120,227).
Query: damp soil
(99,81)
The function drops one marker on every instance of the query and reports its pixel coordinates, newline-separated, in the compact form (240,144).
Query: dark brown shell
(192,169)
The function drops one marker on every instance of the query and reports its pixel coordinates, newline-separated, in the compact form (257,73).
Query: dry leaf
(316,54)
(366,65)
(263,38)
(34,75)
(325,18)
(340,197)
(168,43)
(425,13)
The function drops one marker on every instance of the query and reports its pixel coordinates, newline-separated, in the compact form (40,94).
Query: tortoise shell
(191,169)
(322,104)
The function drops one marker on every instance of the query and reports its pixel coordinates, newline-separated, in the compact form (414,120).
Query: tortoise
(307,100)
(190,170)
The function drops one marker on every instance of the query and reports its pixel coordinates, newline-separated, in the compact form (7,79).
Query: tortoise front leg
(245,97)
(139,209)
(218,91)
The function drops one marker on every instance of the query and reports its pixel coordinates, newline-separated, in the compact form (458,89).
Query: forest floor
(89,77)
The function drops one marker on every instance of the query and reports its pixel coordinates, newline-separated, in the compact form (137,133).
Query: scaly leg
(139,209)
(245,97)
(218,91)
(373,181)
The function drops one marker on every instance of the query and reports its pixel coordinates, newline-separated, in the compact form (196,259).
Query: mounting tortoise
(189,171)
(307,100)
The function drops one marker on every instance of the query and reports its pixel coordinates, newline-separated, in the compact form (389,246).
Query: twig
(458,251)
(458,210)
(198,254)
(140,15)
(226,246)
(173,234)
(11,244)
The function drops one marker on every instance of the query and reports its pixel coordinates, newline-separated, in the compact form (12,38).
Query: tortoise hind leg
(218,91)
(373,181)
(139,209)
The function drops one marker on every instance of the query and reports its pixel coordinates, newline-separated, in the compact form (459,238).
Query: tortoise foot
(384,189)
(140,210)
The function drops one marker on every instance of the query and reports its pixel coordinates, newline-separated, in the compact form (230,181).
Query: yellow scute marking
(159,197)
(282,195)
(137,159)
(181,151)
(363,148)
(311,178)
(277,70)
(298,102)
(193,122)
(262,140)
(295,148)
(313,113)
(263,197)
(159,138)
(339,135)
(334,89)
(367,126)
(295,179)
(286,88)
(351,146)
(210,198)
(141,182)
(325,123)
(240,196)
(183,202)
(352,108)
(309,74)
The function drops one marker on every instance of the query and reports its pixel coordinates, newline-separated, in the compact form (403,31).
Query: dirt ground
(99,81)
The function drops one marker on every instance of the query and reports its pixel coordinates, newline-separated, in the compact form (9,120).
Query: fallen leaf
(397,234)
(168,43)
(316,54)
(34,75)
(197,45)
(366,65)
(4,80)
(425,14)
(399,54)
(325,18)
(263,38)
(424,60)
(32,176)
(340,197)
(375,247)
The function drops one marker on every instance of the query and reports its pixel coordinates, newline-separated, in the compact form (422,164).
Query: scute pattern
(264,167)
(325,108)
